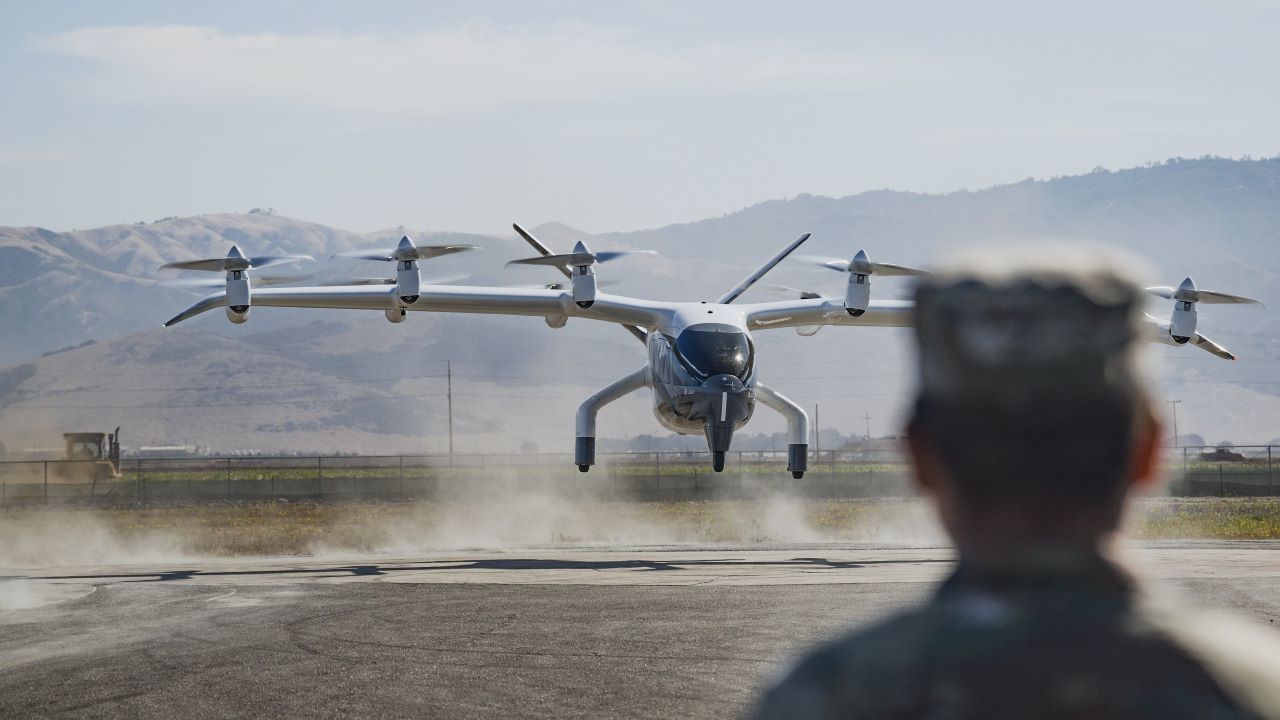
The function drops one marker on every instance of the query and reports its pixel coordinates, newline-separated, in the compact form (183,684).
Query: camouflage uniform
(1056,635)
(1048,629)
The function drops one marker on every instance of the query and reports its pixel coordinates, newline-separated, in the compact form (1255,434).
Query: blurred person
(1031,428)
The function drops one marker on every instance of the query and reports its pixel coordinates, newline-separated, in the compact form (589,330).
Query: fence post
(319,478)
(402,477)
(228,478)
(1222,492)
(46,482)
(1270,487)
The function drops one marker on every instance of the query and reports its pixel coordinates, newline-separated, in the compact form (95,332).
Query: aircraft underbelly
(665,410)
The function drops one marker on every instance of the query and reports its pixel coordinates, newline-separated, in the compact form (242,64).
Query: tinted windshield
(713,349)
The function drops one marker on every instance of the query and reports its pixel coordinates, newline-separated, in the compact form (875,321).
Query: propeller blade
(1210,346)
(611,255)
(210,265)
(381,255)
(543,249)
(1208,297)
(194,283)
(637,332)
(789,292)
(235,261)
(1213,297)
(432,280)
(560,260)
(426,252)
(895,270)
(878,268)
(218,284)
(745,283)
(581,258)
(269,260)
(824,262)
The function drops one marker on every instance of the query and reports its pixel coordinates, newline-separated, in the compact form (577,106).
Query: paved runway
(536,632)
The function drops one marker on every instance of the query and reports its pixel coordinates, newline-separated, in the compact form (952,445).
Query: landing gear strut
(584,451)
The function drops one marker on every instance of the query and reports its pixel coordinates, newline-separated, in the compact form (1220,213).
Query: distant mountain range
(316,380)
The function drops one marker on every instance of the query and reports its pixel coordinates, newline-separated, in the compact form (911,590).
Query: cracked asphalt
(550,632)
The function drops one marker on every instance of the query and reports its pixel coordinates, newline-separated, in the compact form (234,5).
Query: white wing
(452,298)
(828,311)
(901,313)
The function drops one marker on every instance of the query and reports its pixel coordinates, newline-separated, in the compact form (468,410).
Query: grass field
(68,536)
(1214,518)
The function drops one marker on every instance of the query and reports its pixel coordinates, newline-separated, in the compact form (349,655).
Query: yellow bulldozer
(91,456)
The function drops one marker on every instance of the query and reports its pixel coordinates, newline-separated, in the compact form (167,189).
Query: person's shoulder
(840,673)
(1242,657)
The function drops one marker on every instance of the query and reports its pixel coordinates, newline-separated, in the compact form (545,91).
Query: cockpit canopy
(715,349)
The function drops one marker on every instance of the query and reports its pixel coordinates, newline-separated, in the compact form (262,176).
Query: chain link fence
(1200,471)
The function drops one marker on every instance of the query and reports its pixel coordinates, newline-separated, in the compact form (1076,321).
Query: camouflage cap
(1023,336)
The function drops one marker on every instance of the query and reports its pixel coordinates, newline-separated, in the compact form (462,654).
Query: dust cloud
(519,518)
(515,514)
(53,537)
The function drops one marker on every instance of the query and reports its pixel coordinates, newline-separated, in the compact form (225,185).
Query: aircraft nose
(725,383)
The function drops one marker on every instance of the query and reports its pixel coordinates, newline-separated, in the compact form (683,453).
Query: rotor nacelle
(857,293)
(239,294)
(1185,297)
(1182,324)
(237,289)
(408,280)
(406,255)
(578,265)
(583,277)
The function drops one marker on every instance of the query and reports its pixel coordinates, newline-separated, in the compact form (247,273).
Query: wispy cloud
(464,67)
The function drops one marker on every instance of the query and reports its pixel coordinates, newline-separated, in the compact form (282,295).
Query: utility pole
(1174,405)
(448,371)
(867,417)
(817,434)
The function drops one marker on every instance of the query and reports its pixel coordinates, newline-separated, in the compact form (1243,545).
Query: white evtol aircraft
(701,359)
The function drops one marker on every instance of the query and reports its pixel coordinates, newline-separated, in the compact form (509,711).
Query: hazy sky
(607,116)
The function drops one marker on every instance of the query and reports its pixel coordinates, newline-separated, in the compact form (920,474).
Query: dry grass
(35,536)
(1209,518)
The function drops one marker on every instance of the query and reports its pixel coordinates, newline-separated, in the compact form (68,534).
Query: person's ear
(1144,470)
(922,458)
